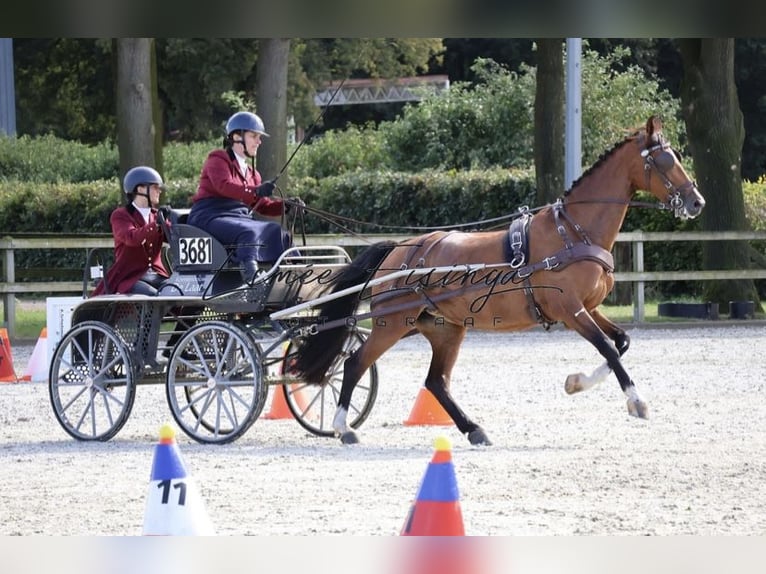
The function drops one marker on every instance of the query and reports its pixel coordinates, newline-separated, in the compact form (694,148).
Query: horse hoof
(572,384)
(638,409)
(478,437)
(349,437)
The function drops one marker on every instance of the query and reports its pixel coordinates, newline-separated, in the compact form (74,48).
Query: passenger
(230,190)
(138,237)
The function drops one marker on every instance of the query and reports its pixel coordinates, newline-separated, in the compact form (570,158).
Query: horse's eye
(665,160)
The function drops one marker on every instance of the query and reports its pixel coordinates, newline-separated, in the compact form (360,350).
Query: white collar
(144,211)
(242,163)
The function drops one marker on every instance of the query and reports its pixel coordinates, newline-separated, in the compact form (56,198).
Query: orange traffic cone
(427,411)
(173,504)
(7,372)
(37,368)
(279,408)
(436,510)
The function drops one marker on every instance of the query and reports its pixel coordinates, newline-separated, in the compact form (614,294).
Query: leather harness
(516,249)
(517,254)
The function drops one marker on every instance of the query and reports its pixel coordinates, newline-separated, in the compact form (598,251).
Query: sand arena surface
(560,465)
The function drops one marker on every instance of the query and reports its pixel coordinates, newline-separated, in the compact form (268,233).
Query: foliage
(755,203)
(491,122)
(50,159)
(376,199)
(618,98)
(65,87)
(337,152)
(469,126)
(184,161)
(750,76)
(331,58)
(194,74)
(387,201)
(74,208)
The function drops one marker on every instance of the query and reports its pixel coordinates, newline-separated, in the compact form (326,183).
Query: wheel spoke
(217,395)
(91,378)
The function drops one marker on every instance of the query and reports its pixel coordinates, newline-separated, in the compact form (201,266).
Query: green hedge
(380,201)
(389,199)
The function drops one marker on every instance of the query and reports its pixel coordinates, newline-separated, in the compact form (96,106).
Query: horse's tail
(318,351)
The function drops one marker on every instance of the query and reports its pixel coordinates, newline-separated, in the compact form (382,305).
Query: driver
(229,188)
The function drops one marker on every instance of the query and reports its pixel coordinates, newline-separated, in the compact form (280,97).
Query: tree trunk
(157,121)
(716,132)
(135,114)
(549,120)
(271,102)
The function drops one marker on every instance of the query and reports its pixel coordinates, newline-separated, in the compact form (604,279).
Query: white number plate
(195,251)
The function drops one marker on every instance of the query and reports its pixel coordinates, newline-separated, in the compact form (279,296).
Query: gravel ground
(560,464)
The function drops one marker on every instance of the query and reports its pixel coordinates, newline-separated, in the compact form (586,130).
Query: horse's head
(665,177)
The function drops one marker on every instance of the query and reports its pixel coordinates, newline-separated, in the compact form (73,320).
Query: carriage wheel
(215,385)
(92,382)
(314,405)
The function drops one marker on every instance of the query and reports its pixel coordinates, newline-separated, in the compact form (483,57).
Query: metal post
(573,117)
(9,299)
(7,89)
(638,286)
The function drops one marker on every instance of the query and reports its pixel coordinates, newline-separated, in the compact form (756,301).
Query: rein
(342,222)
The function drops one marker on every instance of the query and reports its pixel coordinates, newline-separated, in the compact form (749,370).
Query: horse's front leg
(590,327)
(615,333)
(581,381)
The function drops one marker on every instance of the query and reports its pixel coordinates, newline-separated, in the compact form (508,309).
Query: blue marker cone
(436,510)
(173,504)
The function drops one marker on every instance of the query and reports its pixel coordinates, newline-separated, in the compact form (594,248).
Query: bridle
(661,158)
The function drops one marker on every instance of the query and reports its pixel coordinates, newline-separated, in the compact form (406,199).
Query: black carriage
(209,339)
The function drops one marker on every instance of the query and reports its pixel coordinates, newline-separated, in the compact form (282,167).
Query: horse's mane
(602,158)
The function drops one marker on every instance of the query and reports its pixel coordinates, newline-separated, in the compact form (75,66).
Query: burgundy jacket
(137,248)
(222,178)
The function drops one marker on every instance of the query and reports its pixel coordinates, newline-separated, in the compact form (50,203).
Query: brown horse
(553,266)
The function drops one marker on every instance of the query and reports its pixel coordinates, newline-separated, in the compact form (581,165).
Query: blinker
(664,160)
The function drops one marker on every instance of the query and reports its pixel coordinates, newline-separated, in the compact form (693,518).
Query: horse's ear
(653,127)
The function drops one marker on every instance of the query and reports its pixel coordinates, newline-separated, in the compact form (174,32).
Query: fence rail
(639,276)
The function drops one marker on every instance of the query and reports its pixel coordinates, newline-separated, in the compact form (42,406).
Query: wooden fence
(639,276)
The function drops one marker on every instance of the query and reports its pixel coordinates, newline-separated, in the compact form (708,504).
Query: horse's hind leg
(379,341)
(445,339)
(585,325)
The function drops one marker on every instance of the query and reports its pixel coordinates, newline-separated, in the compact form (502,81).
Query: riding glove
(266,189)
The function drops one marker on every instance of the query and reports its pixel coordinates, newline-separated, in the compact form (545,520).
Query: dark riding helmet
(140,175)
(245,121)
